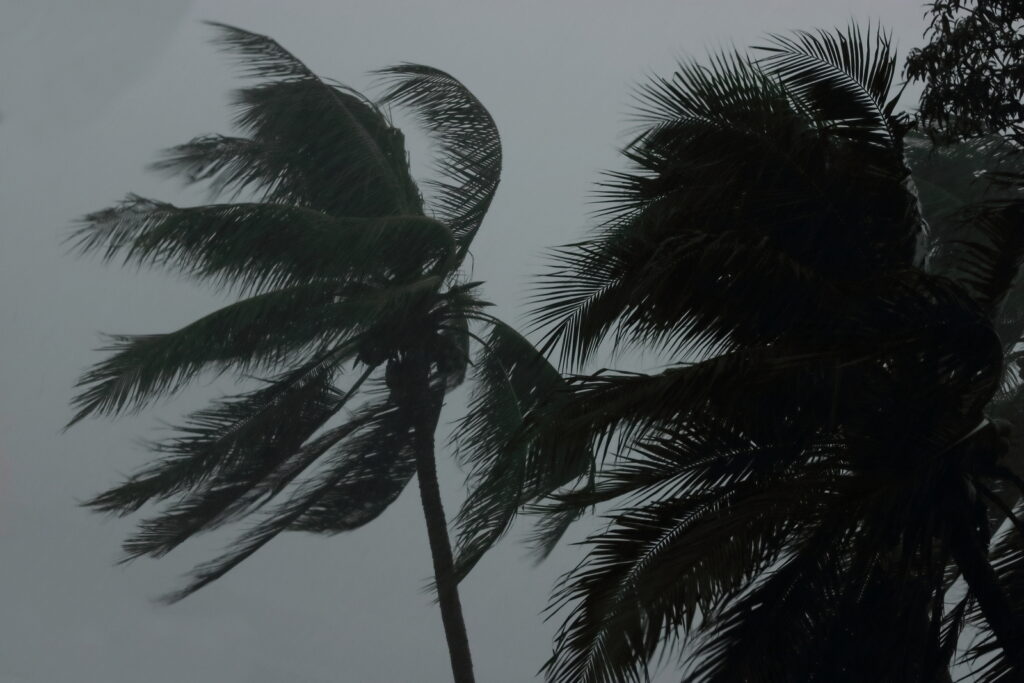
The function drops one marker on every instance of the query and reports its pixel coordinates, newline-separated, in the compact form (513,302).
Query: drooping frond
(345,157)
(215,439)
(509,466)
(256,247)
(314,501)
(761,561)
(469,160)
(243,484)
(378,465)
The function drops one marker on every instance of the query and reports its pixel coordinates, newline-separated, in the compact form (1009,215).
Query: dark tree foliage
(354,317)
(972,68)
(797,497)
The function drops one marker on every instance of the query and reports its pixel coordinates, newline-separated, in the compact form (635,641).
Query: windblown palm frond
(343,156)
(495,441)
(742,214)
(1007,555)
(470,149)
(369,462)
(259,247)
(795,503)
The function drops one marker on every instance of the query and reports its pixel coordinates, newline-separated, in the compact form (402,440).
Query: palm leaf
(469,161)
(508,468)
(242,485)
(258,247)
(216,439)
(844,77)
(736,190)
(268,330)
(358,438)
(352,161)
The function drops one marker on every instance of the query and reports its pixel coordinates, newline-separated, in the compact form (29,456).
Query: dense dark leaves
(793,504)
(972,68)
(752,195)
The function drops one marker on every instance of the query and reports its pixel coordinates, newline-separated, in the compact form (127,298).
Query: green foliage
(755,190)
(972,69)
(350,282)
(795,503)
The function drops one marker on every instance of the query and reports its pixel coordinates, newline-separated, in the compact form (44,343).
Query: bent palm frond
(349,161)
(260,247)
(469,162)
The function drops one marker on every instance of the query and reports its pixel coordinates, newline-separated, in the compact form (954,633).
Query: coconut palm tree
(353,318)
(797,499)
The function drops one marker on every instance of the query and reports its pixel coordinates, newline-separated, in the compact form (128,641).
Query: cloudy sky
(89,92)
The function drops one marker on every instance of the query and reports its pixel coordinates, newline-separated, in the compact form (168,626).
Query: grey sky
(89,92)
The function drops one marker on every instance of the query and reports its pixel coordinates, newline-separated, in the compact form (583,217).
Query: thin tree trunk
(426,414)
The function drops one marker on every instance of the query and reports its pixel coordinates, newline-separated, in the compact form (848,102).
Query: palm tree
(798,498)
(353,318)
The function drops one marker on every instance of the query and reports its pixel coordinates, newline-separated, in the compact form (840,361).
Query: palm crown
(806,488)
(353,313)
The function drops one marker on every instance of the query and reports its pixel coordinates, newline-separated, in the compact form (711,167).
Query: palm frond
(661,565)
(232,165)
(243,484)
(341,466)
(469,162)
(262,331)
(735,189)
(508,466)
(350,160)
(257,55)
(843,77)
(215,439)
(378,464)
(987,258)
(257,247)
(1007,560)
(269,330)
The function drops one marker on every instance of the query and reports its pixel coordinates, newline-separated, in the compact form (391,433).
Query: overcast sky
(89,92)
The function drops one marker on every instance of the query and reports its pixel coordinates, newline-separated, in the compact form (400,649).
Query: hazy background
(89,92)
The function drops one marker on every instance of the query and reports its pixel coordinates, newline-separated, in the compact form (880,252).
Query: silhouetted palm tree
(354,314)
(798,498)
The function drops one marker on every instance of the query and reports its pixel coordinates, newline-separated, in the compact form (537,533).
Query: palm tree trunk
(426,413)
